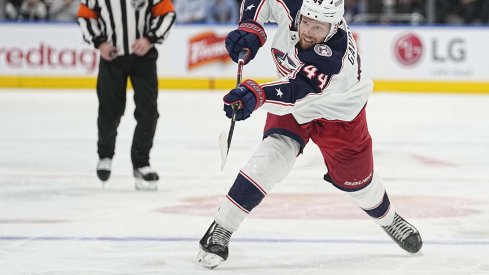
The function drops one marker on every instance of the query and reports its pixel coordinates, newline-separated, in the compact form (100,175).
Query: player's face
(312,32)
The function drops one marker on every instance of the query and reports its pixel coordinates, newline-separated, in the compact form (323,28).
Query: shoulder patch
(323,50)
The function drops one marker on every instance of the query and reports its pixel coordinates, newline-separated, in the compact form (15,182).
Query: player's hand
(249,35)
(141,46)
(247,97)
(107,51)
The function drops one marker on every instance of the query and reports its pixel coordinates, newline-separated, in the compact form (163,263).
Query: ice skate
(146,179)
(404,234)
(214,246)
(103,169)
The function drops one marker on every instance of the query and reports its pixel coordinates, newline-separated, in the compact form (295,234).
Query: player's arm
(305,85)
(259,11)
(308,81)
(162,20)
(250,34)
(279,97)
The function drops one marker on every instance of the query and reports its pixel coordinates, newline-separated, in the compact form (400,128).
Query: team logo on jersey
(283,62)
(323,50)
(137,4)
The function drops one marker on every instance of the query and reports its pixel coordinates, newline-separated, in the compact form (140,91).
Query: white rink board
(433,53)
(425,53)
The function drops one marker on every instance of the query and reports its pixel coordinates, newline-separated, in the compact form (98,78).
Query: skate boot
(404,234)
(146,179)
(103,169)
(214,246)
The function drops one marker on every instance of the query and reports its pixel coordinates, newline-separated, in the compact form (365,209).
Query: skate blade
(208,260)
(149,186)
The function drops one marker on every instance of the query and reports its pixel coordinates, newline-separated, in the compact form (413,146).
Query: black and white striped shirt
(121,22)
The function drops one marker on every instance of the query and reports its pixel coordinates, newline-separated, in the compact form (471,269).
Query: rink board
(401,58)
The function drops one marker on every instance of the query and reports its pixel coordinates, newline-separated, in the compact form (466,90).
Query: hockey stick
(224,138)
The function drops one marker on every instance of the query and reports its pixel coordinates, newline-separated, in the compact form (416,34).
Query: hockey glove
(249,35)
(249,96)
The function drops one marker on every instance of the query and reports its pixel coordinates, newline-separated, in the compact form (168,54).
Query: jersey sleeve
(256,10)
(162,20)
(88,19)
(309,81)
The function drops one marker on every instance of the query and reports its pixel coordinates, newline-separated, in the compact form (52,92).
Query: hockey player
(321,97)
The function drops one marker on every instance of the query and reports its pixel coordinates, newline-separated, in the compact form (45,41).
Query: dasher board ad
(387,53)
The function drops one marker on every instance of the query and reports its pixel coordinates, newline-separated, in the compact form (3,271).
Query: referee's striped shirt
(121,22)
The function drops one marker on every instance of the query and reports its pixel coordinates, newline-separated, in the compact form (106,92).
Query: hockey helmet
(329,11)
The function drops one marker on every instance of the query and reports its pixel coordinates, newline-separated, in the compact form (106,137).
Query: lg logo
(409,49)
(453,50)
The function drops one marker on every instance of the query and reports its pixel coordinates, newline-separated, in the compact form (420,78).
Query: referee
(124,32)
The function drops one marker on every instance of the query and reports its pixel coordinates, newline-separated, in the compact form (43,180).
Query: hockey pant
(270,164)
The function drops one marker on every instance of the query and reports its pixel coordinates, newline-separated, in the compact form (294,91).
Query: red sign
(408,49)
(46,56)
(206,48)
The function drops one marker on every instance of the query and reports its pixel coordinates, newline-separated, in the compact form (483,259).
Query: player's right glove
(249,35)
(248,96)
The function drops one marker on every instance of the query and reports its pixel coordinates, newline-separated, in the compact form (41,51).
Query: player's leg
(111,92)
(145,82)
(270,164)
(347,150)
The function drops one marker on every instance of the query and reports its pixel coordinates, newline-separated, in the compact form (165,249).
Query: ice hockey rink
(432,151)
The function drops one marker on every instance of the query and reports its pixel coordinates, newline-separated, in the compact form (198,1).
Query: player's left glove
(249,96)
(249,36)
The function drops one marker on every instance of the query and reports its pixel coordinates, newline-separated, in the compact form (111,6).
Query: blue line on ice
(242,240)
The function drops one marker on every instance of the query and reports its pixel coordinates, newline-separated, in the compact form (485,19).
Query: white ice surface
(55,218)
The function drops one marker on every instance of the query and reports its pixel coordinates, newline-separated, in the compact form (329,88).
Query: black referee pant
(111,91)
